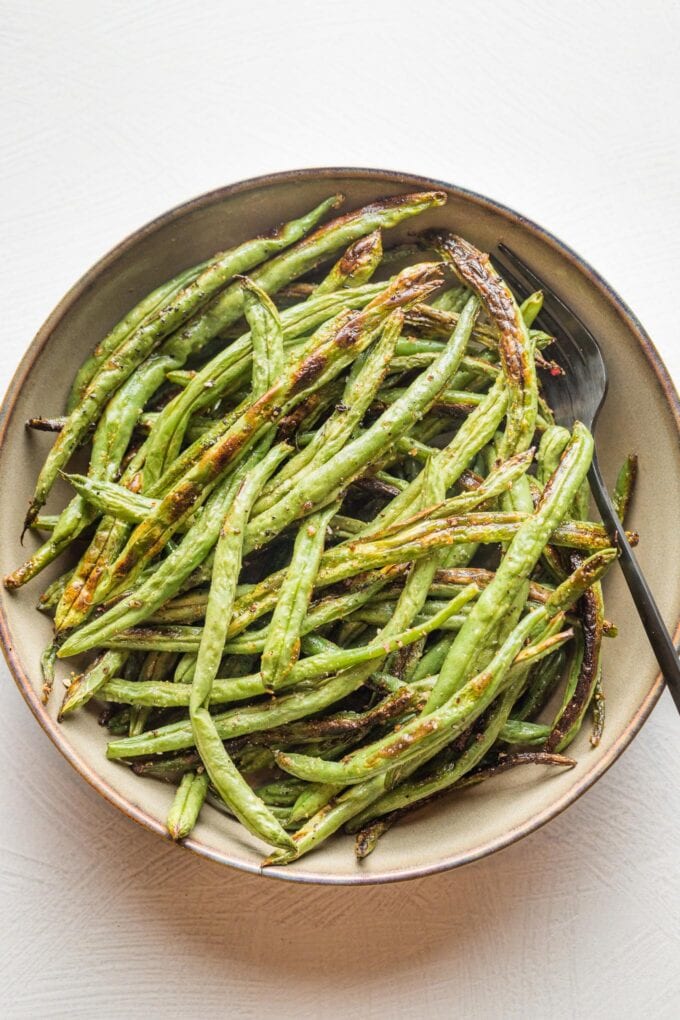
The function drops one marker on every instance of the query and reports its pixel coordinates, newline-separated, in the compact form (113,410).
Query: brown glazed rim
(56,733)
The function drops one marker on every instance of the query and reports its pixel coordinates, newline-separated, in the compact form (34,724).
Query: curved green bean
(186,806)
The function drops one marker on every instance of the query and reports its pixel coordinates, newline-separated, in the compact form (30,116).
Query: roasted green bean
(329,533)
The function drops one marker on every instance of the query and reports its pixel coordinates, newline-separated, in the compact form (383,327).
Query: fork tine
(556,325)
(544,317)
(521,290)
(570,321)
(536,282)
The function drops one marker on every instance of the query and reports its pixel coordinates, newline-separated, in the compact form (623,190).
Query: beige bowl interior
(641,415)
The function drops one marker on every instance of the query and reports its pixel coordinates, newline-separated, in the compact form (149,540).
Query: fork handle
(657,632)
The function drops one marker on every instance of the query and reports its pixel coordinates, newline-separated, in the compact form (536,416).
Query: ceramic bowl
(642,413)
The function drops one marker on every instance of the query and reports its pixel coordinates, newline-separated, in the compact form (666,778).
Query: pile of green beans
(331,555)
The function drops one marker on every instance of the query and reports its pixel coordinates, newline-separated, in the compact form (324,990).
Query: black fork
(580,394)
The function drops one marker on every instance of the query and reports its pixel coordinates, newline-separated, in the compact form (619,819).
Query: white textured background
(113,112)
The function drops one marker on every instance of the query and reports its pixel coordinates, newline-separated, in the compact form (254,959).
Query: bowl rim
(57,733)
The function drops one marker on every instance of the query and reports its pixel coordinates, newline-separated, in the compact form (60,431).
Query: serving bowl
(642,414)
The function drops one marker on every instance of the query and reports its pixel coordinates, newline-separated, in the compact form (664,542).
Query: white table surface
(114,112)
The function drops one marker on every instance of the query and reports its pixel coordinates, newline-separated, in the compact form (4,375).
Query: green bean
(226,568)
(113,499)
(531,308)
(281,793)
(185,609)
(118,724)
(178,377)
(518,731)
(521,557)
(89,578)
(74,518)
(598,703)
(184,670)
(266,334)
(378,616)
(86,685)
(452,300)
(314,249)
(50,597)
(78,595)
(347,723)
(76,600)
(134,318)
(187,804)
(356,266)
(581,506)
(414,346)
(432,661)
(414,594)
(482,578)
(45,522)
(554,442)
(40,424)
(625,486)
(509,761)
(346,527)
(337,607)
(434,322)
(168,770)
(506,476)
(314,796)
(230,366)
(410,602)
(282,646)
(330,818)
(472,369)
(50,549)
(253,759)
(414,540)
(47,661)
(568,722)
(449,400)
(280,814)
(180,638)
